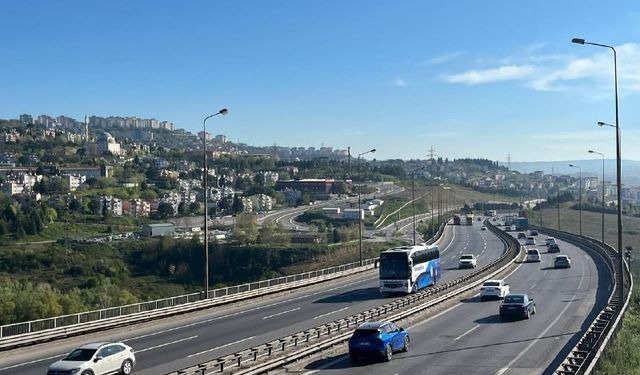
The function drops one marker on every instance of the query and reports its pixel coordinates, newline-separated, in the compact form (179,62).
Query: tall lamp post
(575,166)
(601,154)
(618,159)
(205,176)
(413,201)
(360,214)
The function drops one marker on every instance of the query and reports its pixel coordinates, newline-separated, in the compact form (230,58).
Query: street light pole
(601,154)
(205,176)
(575,166)
(618,161)
(360,214)
(413,201)
(432,203)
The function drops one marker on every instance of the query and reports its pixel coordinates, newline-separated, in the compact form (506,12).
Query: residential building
(26,119)
(72,182)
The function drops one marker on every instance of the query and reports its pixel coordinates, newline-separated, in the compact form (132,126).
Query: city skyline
(471,79)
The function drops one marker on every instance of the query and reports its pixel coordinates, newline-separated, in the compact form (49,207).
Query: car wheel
(414,288)
(407,341)
(127,367)
(87,372)
(388,354)
(534,310)
(527,315)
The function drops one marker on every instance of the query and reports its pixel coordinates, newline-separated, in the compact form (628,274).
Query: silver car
(99,358)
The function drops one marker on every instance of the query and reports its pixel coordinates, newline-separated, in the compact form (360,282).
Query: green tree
(246,229)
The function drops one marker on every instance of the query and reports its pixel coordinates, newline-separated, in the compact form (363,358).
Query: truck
(469,219)
(522,223)
(509,220)
(456,219)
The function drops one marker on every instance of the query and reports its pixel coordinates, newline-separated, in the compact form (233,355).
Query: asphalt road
(169,344)
(470,338)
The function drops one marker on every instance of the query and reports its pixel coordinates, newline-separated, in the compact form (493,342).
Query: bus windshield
(394,266)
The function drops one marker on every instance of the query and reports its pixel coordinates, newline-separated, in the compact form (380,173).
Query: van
(530,241)
(549,241)
(533,255)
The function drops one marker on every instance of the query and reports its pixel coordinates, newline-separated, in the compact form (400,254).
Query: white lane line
(466,333)
(216,318)
(221,346)
(543,333)
(280,313)
(533,286)
(329,313)
(31,362)
(166,344)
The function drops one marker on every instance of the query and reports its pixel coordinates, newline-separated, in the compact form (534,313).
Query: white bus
(408,269)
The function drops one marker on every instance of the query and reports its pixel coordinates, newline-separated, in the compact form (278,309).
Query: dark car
(533,232)
(521,235)
(554,248)
(517,306)
(378,340)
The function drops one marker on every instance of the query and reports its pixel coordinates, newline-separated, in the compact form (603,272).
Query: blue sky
(471,78)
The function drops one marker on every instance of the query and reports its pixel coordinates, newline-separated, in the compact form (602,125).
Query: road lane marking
(280,313)
(216,318)
(31,362)
(466,333)
(221,346)
(329,313)
(166,344)
(543,333)
(533,286)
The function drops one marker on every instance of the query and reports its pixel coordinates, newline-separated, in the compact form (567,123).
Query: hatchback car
(494,288)
(533,232)
(517,306)
(467,261)
(554,248)
(530,241)
(483,228)
(533,255)
(378,340)
(99,358)
(521,236)
(549,241)
(562,261)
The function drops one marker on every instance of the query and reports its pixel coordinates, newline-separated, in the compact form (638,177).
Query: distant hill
(591,167)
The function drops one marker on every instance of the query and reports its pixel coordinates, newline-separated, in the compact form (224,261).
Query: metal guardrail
(11,334)
(585,354)
(317,338)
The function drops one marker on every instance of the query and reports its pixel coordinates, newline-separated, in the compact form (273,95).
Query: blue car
(378,340)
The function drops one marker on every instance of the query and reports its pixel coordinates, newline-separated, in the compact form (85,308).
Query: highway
(470,338)
(178,342)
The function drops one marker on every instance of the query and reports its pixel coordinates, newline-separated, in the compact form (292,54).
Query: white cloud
(444,58)
(556,72)
(503,73)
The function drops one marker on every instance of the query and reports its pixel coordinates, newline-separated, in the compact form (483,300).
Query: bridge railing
(223,294)
(585,354)
(271,355)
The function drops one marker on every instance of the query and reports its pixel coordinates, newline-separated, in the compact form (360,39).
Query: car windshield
(491,283)
(532,252)
(80,355)
(366,332)
(466,257)
(561,258)
(514,299)
(394,266)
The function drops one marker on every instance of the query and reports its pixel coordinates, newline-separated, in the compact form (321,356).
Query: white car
(494,288)
(530,241)
(467,261)
(533,255)
(99,358)
(549,241)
